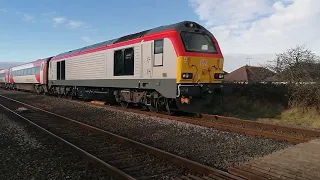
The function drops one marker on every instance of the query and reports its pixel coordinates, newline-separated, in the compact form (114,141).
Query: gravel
(26,154)
(219,149)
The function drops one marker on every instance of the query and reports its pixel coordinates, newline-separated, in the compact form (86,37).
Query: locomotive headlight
(186,75)
(218,75)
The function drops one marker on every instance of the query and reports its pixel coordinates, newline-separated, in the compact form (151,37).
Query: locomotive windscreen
(198,42)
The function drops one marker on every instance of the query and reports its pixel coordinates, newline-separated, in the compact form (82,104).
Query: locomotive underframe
(189,97)
(194,97)
(146,98)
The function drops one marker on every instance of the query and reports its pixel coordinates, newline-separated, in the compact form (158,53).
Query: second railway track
(273,131)
(119,156)
(283,133)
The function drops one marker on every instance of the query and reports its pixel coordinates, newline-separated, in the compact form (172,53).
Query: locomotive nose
(199,70)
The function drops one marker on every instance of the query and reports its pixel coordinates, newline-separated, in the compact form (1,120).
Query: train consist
(172,67)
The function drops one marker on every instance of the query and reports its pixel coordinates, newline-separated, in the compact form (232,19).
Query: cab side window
(158,46)
(158,52)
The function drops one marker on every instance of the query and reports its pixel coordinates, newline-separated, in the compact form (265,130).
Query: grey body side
(166,87)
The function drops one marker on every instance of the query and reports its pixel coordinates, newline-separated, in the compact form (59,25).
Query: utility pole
(248,59)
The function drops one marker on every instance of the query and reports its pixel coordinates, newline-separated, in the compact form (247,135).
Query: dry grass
(243,108)
(304,117)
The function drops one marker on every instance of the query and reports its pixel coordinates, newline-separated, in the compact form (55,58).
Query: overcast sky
(255,29)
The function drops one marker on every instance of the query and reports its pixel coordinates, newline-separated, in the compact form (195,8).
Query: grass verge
(297,116)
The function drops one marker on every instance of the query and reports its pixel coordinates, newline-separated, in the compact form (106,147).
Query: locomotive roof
(177,26)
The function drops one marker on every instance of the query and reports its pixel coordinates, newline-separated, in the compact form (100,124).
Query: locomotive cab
(199,69)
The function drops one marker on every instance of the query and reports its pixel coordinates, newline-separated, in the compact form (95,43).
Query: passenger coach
(3,77)
(30,76)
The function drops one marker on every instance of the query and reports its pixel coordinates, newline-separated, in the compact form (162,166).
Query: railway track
(121,157)
(279,132)
(303,133)
(283,133)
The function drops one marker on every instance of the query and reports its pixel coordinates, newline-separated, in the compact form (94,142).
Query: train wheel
(169,112)
(37,89)
(168,109)
(198,115)
(124,104)
(153,109)
(144,108)
(70,96)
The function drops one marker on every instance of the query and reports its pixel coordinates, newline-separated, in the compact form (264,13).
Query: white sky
(260,26)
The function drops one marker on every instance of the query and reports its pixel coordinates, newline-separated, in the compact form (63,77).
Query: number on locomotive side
(203,62)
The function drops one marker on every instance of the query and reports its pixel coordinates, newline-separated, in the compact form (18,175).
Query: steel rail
(221,126)
(308,132)
(192,165)
(218,126)
(114,172)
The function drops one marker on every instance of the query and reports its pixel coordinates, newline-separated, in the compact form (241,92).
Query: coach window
(37,69)
(34,70)
(29,71)
(158,52)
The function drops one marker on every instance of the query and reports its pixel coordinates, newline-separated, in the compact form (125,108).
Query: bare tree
(300,68)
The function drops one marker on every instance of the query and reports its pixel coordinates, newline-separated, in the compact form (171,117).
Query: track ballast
(121,157)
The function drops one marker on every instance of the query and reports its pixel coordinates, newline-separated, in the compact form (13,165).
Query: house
(249,74)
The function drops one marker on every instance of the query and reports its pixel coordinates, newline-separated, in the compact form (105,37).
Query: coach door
(42,73)
(7,77)
(147,59)
(10,76)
